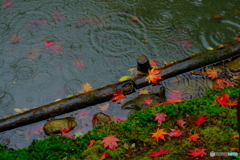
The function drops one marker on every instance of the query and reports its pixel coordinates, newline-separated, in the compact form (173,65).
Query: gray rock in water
(55,126)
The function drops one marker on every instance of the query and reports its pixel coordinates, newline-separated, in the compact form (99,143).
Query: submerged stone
(234,65)
(100,118)
(138,103)
(55,126)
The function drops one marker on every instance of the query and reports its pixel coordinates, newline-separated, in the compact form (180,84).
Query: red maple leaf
(118,95)
(193,137)
(58,17)
(237,38)
(224,100)
(83,114)
(181,123)
(148,101)
(200,120)
(160,117)
(175,133)
(49,44)
(197,152)
(8,4)
(66,130)
(153,63)
(91,143)
(161,152)
(153,76)
(104,156)
(110,142)
(183,42)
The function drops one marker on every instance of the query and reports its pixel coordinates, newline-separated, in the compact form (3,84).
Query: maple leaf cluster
(159,134)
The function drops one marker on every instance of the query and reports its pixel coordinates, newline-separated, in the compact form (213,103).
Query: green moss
(215,134)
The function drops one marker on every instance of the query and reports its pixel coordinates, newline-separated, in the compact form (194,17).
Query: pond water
(49,50)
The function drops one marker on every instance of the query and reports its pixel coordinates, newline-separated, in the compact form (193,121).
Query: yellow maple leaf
(143,92)
(86,87)
(159,134)
(104,107)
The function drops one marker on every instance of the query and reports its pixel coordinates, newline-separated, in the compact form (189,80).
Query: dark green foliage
(135,133)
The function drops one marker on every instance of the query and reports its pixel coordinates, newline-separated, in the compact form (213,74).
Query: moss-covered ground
(135,136)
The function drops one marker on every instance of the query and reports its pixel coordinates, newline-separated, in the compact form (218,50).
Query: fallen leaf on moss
(175,133)
(110,142)
(200,120)
(91,143)
(160,117)
(224,100)
(181,123)
(193,137)
(197,152)
(161,152)
(159,134)
(104,156)
(235,136)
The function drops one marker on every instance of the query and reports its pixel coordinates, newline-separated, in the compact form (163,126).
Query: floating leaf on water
(68,96)
(57,100)
(104,107)
(124,78)
(18,110)
(210,48)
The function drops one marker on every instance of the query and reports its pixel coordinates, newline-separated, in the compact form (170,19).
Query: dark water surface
(48,50)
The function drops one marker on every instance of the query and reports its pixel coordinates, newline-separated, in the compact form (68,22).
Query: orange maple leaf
(143,92)
(91,143)
(235,136)
(86,87)
(159,134)
(104,107)
(110,142)
(118,95)
(193,137)
(153,76)
(104,156)
(212,73)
